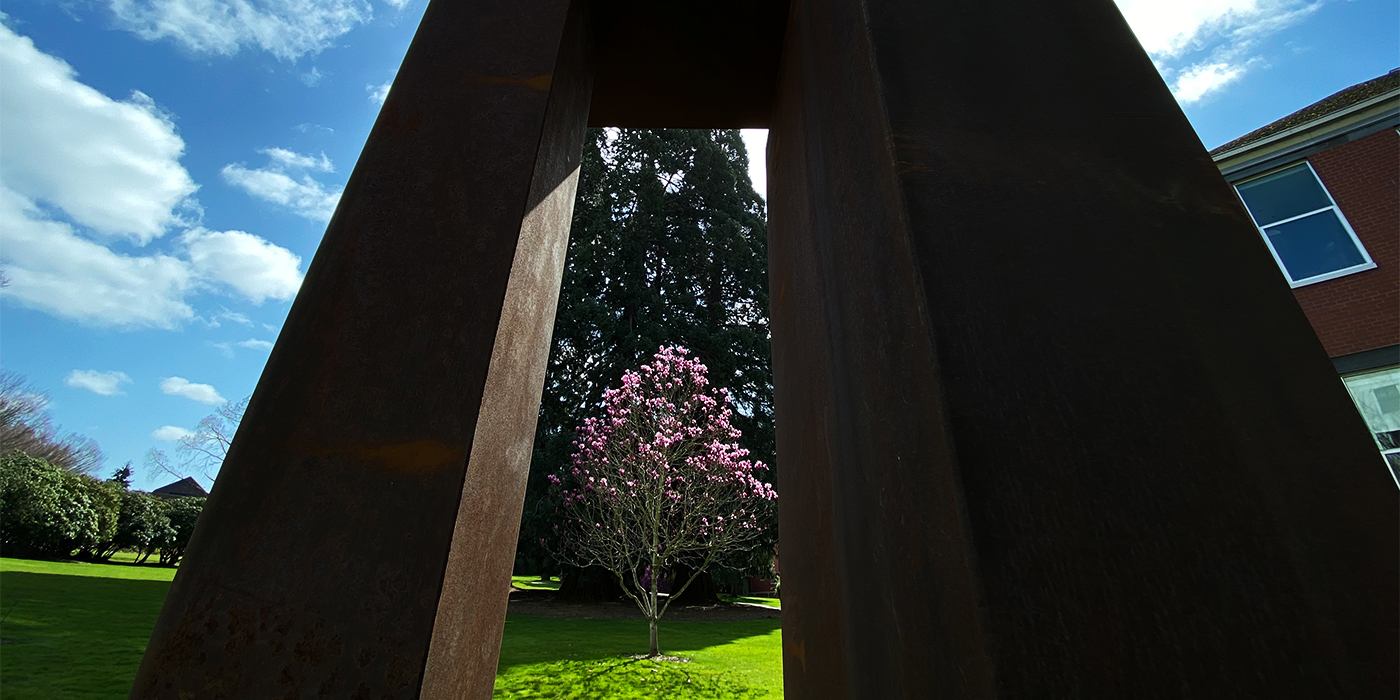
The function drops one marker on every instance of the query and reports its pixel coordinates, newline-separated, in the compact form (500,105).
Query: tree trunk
(655,614)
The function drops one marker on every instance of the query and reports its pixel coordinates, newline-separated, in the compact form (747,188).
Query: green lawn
(752,600)
(73,630)
(543,657)
(533,583)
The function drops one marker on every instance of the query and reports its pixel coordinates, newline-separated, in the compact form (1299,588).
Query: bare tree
(202,451)
(26,426)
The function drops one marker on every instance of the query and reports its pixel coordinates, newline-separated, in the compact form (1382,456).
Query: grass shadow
(531,640)
(74,636)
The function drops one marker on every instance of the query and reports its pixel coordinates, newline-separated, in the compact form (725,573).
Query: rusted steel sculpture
(1052,425)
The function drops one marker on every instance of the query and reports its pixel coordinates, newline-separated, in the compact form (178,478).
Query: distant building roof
(1328,105)
(182,488)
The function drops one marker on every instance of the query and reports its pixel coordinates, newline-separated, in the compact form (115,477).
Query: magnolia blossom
(659,481)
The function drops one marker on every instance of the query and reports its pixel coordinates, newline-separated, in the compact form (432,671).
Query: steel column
(1051,424)
(359,540)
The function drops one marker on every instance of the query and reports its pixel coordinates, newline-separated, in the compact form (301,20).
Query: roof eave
(1318,123)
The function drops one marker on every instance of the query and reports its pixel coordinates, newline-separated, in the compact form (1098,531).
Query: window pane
(1372,392)
(1375,396)
(1284,194)
(1314,245)
(1388,399)
(1389,440)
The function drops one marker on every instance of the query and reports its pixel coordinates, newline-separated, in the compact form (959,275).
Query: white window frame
(1368,264)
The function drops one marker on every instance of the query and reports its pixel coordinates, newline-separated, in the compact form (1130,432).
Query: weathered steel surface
(402,394)
(1051,424)
(710,64)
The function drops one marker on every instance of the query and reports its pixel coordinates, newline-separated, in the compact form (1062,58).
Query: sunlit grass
(75,630)
(752,600)
(123,567)
(533,583)
(543,657)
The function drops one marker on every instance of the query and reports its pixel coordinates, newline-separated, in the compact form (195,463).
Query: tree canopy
(202,451)
(27,428)
(50,512)
(659,481)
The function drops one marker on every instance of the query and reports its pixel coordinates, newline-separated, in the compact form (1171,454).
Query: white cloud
(112,166)
(217,320)
(292,159)
(103,383)
(306,197)
(397,4)
(203,393)
(170,433)
(312,78)
(226,348)
(1201,46)
(245,263)
(52,270)
(1201,80)
(287,29)
(78,163)
(379,93)
(1170,29)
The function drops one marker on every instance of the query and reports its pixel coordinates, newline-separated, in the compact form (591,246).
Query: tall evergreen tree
(668,246)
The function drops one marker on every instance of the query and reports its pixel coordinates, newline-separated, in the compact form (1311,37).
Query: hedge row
(49,512)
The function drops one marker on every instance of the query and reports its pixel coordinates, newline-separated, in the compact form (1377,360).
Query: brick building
(1323,185)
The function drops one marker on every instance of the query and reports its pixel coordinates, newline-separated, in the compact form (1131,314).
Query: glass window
(1377,397)
(1307,234)
(1284,194)
(1314,245)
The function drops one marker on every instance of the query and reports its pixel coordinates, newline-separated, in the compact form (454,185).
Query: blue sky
(167,168)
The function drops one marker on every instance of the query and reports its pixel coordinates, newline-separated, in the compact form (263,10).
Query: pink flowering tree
(660,482)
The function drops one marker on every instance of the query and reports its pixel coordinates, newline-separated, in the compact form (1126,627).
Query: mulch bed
(544,604)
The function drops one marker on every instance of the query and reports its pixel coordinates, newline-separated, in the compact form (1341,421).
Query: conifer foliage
(667,247)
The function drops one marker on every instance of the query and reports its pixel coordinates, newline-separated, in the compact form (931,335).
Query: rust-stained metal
(402,393)
(710,64)
(1051,423)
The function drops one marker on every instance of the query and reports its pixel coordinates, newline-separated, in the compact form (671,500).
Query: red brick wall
(1361,311)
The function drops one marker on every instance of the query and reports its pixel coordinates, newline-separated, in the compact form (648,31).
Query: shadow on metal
(1052,425)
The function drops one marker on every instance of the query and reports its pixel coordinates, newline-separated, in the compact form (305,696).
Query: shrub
(104,498)
(44,510)
(183,513)
(143,523)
